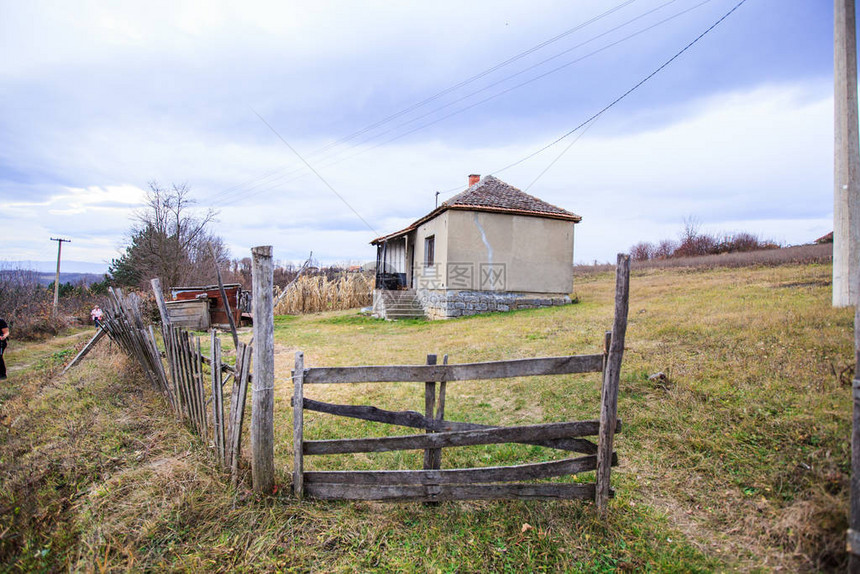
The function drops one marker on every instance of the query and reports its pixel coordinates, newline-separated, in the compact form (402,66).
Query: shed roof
(493,195)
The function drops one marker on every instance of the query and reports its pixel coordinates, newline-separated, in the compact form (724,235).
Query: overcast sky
(392,101)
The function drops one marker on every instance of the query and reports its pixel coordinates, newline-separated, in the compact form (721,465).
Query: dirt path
(23,356)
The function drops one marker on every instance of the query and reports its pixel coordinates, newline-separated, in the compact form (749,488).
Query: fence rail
(462,372)
(432,484)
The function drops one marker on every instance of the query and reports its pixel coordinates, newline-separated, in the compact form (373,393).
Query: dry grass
(314,294)
(798,254)
(737,461)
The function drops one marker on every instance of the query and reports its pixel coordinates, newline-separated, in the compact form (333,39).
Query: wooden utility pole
(263,381)
(846,167)
(57,277)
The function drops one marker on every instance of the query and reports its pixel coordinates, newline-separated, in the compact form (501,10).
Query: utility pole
(57,278)
(846,166)
(846,229)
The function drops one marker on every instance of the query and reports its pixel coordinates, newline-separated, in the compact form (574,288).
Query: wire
(624,95)
(310,167)
(241,195)
(558,157)
(538,64)
(503,92)
(480,75)
(521,84)
(434,97)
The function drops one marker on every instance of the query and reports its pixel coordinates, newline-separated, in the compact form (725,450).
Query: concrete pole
(57,276)
(846,209)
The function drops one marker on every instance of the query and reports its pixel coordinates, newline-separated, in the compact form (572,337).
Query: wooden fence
(195,396)
(434,484)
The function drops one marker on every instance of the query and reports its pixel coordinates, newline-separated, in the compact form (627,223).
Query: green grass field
(737,460)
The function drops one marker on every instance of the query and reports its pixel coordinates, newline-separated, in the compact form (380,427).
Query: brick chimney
(473,179)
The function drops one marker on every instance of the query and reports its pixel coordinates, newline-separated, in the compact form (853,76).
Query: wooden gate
(434,484)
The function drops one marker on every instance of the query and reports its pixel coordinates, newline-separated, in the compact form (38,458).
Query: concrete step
(400,305)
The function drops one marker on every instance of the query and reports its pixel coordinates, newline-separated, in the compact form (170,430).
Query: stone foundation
(451,303)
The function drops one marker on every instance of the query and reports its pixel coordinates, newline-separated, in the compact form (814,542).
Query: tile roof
(493,195)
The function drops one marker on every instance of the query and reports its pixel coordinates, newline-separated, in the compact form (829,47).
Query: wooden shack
(192,314)
(202,307)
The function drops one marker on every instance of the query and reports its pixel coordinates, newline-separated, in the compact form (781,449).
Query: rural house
(489,248)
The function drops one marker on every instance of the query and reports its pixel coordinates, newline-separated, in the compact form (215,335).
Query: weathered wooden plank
(223,294)
(436,493)
(87,348)
(440,410)
(533,471)
(612,375)
(156,360)
(192,381)
(412,419)
(451,439)
(201,387)
(436,453)
(263,396)
(242,391)
(298,426)
(234,397)
(173,360)
(217,399)
(461,372)
(159,300)
(429,408)
(184,373)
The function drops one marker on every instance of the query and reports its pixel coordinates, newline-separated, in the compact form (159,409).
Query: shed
(215,312)
(190,314)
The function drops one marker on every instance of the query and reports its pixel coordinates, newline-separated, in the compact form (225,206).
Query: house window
(429,251)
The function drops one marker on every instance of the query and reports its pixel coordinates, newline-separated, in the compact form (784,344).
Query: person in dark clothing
(4,334)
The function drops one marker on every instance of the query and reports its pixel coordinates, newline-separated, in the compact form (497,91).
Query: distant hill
(69,266)
(73,278)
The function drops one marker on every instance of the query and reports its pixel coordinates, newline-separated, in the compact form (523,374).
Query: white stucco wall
(434,277)
(534,253)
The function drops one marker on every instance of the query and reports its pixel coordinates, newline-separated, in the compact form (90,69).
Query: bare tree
(642,251)
(170,240)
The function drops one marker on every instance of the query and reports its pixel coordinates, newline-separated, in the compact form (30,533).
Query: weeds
(313,294)
(736,459)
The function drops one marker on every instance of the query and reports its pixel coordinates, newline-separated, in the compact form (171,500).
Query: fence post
(159,299)
(298,425)
(429,411)
(263,381)
(612,372)
(217,398)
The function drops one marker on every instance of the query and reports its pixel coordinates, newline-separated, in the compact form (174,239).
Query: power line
(505,91)
(316,173)
(564,151)
(229,192)
(479,75)
(541,63)
(521,84)
(540,76)
(439,94)
(624,95)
